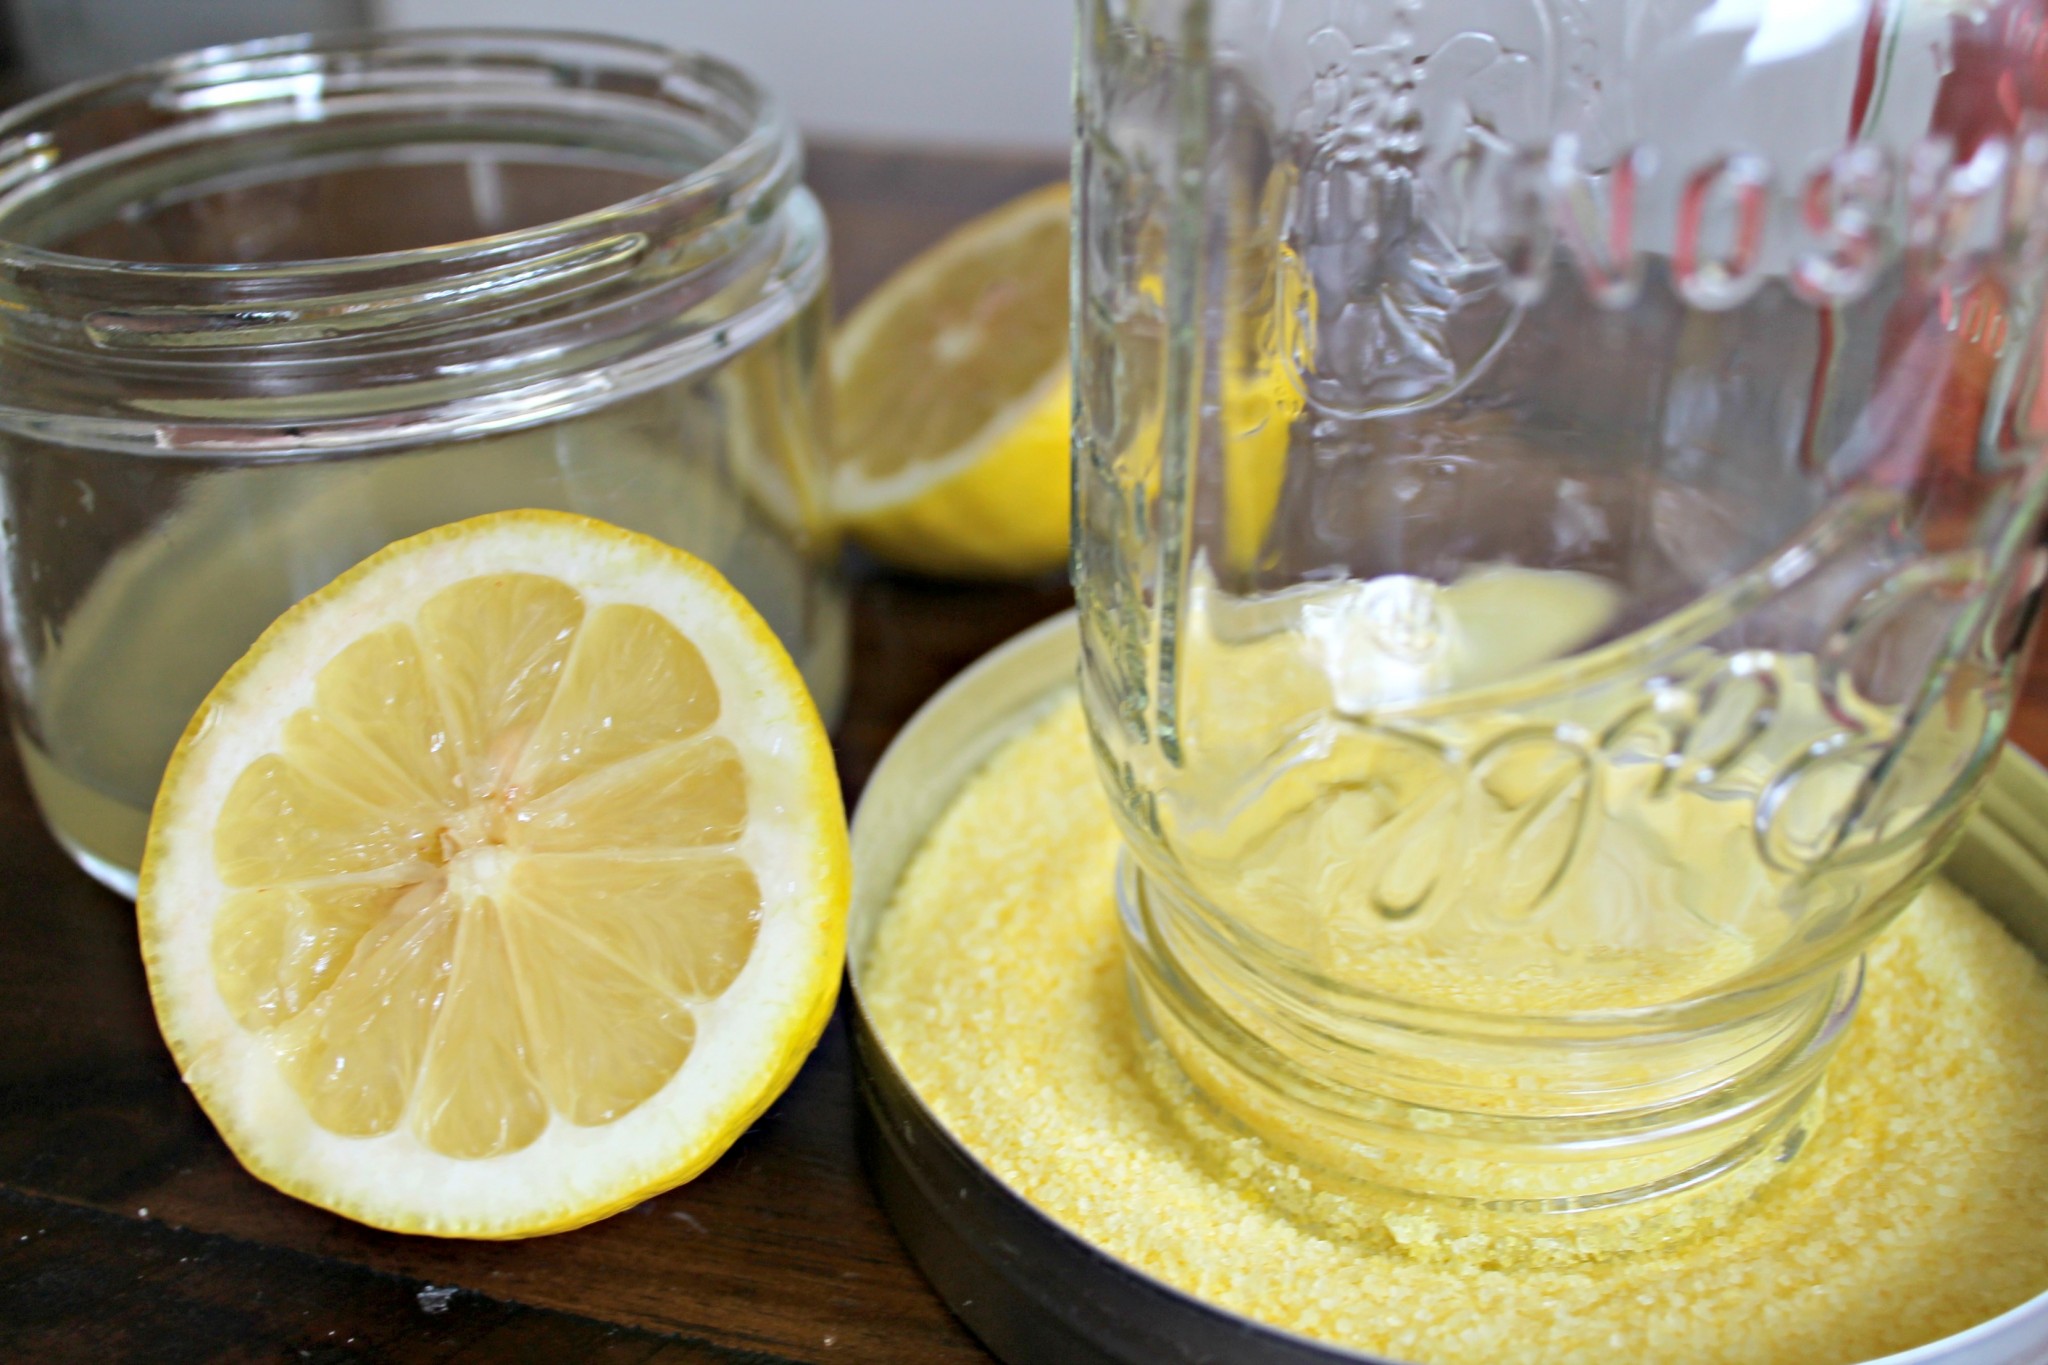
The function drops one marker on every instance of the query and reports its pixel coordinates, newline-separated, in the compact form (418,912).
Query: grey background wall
(53,41)
(966,73)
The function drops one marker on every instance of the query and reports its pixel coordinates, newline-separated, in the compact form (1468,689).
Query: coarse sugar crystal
(996,980)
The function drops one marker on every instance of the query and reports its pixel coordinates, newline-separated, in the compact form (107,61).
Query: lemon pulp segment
(489,874)
(955,340)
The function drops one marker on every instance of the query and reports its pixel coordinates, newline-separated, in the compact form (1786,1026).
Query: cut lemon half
(953,400)
(501,884)
(950,401)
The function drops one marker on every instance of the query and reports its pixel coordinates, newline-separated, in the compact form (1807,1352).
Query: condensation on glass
(265,309)
(1557,489)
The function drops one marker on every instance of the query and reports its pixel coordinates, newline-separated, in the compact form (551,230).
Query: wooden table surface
(127,1232)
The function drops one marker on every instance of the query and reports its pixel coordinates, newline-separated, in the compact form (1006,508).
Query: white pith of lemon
(501,884)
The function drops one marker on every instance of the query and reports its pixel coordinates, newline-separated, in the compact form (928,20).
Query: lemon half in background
(952,400)
(501,884)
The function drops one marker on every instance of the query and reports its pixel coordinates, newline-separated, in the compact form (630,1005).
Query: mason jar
(1558,495)
(266,308)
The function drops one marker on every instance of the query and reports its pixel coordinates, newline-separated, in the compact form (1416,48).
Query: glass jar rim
(710,244)
(289,65)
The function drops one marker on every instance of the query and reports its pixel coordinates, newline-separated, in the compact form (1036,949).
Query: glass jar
(1557,493)
(264,309)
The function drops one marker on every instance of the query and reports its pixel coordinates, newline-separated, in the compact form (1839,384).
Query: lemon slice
(953,400)
(501,884)
(950,400)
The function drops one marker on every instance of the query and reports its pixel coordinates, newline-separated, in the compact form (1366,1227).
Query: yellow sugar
(1917,1210)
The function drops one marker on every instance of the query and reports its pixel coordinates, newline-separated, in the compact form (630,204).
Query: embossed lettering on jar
(1513,772)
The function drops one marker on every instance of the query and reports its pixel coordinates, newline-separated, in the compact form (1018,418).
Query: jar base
(1491,1169)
